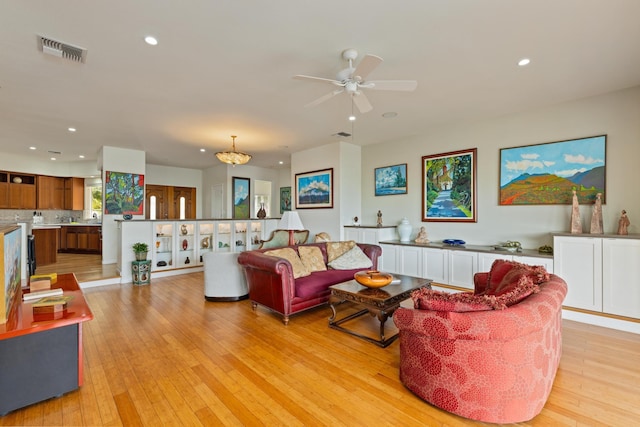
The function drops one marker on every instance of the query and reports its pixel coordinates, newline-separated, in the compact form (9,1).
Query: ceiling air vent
(61,50)
(342,134)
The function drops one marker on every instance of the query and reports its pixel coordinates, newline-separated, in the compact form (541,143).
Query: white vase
(404,230)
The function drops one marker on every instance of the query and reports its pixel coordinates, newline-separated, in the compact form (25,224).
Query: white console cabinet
(372,235)
(449,266)
(602,273)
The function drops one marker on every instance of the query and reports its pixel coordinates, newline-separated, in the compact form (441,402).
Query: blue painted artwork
(391,180)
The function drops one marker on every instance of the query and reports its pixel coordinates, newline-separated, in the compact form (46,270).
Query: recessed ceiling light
(81,156)
(352,118)
(71,129)
(53,158)
(390,115)
(202,150)
(524,61)
(32,148)
(281,162)
(150,40)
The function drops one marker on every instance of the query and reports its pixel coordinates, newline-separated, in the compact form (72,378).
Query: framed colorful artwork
(285,199)
(547,174)
(314,189)
(123,193)
(240,194)
(449,186)
(391,180)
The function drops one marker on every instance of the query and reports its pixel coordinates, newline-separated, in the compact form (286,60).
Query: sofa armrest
(480,281)
(372,251)
(266,270)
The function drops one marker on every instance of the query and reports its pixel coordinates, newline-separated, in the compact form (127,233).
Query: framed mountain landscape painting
(547,174)
(314,189)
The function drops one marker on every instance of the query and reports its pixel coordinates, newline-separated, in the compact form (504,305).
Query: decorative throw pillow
(524,286)
(337,249)
(323,237)
(427,299)
(311,257)
(504,275)
(299,270)
(351,260)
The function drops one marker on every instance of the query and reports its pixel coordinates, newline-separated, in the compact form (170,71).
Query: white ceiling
(225,67)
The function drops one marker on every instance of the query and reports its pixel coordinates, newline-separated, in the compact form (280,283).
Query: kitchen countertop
(66,224)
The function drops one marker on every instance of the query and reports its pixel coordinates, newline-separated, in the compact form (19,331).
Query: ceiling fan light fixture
(233,157)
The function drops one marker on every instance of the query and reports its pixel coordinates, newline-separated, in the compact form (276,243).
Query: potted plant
(140,249)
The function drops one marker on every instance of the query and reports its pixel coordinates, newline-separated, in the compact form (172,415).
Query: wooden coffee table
(381,303)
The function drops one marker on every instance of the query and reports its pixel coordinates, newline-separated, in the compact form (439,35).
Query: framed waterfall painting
(449,186)
(391,180)
(547,174)
(314,190)
(285,199)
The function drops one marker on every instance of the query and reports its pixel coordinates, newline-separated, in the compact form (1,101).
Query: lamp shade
(291,221)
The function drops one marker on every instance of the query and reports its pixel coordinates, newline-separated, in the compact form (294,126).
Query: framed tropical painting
(449,186)
(240,193)
(547,174)
(123,193)
(314,189)
(391,180)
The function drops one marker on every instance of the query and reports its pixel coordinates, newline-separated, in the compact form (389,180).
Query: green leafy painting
(124,193)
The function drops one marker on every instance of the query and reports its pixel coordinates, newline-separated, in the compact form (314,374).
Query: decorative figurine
(596,216)
(356,221)
(576,223)
(623,223)
(379,218)
(422,236)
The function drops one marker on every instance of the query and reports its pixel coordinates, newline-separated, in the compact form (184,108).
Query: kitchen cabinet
(46,244)
(17,190)
(74,194)
(50,192)
(82,239)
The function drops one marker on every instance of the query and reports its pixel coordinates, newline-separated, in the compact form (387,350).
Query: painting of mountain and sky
(548,173)
(314,189)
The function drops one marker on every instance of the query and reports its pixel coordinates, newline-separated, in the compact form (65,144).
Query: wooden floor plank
(162,355)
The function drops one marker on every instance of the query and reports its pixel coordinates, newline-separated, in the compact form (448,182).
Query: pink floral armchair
(494,364)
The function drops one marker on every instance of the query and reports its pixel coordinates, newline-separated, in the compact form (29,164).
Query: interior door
(161,200)
(189,195)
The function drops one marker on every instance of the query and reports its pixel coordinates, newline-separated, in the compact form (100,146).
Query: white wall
(344,158)
(117,160)
(615,114)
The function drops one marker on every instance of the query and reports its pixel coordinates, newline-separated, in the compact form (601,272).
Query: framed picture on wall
(241,203)
(449,186)
(547,174)
(123,193)
(391,180)
(285,199)
(314,190)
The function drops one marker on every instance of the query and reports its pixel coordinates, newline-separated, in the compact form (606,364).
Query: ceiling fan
(352,81)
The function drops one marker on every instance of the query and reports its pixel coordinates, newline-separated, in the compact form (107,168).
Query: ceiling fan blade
(403,85)
(367,65)
(318,79)
(362,102)
(324,98)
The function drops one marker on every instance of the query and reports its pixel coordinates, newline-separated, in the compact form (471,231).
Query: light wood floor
(87,268)
(162,355)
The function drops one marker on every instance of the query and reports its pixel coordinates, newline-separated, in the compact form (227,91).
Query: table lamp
(291,221)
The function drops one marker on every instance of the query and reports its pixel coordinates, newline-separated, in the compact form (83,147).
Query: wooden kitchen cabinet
(50,192)
(18,191)
(74,194)
(80,239)
(46,242)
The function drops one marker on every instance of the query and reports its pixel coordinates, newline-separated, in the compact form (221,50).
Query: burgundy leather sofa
(271,282)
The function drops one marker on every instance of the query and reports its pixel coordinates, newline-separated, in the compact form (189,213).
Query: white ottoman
(223,277)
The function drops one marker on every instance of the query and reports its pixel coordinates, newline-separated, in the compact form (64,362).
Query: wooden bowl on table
(373,278)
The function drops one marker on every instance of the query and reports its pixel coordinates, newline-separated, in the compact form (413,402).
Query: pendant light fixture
(233,157)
